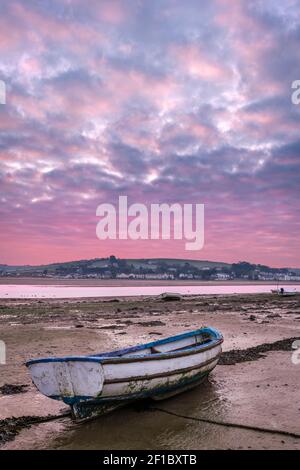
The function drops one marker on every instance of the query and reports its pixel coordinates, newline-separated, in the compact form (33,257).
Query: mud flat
(251,399)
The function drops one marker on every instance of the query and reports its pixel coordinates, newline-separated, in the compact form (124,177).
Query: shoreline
(132,283)
(101,289)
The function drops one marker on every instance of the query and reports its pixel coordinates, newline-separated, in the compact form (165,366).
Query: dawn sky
(163,101)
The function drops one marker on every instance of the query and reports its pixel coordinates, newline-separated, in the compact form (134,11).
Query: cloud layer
(163,101)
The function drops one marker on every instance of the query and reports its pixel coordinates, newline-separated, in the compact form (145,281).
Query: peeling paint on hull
(91,409)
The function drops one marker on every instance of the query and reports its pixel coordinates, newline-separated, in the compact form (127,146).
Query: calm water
(42,291)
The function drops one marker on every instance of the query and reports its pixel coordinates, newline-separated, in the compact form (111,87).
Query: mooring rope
(228,424)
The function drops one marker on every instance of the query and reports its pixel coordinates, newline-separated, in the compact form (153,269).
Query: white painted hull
(284,292)
(122,374)
(287,294)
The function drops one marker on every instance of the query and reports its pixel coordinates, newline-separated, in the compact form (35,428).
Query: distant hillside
(103,262)
(152,268)
(180,262)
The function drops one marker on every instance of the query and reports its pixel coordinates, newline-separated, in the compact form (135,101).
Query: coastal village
(154,269)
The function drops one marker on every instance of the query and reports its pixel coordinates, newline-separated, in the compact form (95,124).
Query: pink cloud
(193,61)
(102,100)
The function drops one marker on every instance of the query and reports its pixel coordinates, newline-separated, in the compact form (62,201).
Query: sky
(164,101)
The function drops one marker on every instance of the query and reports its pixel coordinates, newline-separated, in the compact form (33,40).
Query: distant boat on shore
(283,292)
(94,385)
(169,296)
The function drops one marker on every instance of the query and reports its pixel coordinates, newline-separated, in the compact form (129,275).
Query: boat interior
(177,343)
(185,341)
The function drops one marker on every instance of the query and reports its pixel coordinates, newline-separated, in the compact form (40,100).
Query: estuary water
(22,291)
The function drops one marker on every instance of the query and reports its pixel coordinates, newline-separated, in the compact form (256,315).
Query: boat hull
(287,294)
(159,387)
(91,409)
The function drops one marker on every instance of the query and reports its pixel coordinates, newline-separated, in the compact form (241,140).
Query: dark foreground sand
(254,389)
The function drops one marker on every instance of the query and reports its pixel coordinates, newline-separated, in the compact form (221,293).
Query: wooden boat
(94,385)
(282,291)
(170,296)
(286,293)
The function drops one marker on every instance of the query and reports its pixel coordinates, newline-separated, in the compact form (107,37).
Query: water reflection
(43,291)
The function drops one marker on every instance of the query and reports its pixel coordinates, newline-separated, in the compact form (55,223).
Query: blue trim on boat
(171,339)
(101,357)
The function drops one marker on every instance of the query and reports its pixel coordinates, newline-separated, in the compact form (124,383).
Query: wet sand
(256,386)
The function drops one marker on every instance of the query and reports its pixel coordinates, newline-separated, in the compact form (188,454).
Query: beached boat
(282,291)
(286,293)
(170,296)
(94,385)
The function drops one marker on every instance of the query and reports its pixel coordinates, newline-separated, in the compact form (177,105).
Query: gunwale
(114,357)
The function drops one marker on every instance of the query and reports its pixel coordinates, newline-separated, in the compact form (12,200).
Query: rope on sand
(228,424)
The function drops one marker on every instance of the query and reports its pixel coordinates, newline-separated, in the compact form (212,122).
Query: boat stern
(68,380)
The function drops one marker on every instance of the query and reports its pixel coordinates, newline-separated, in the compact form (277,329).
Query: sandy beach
(255,385)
